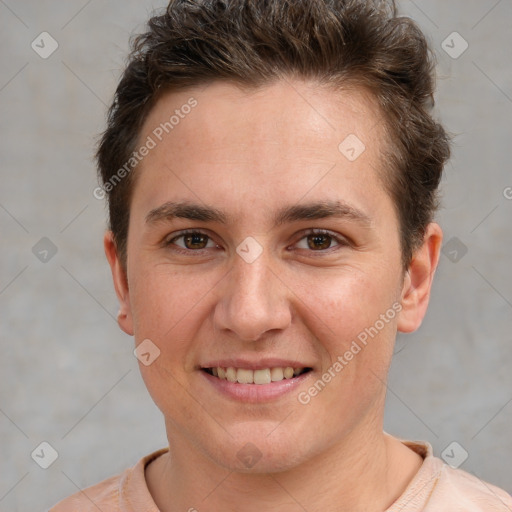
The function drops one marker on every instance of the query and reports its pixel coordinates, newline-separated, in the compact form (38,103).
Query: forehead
(298,112)
(290,138)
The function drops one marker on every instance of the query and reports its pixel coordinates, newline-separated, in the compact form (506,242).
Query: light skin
(306,298)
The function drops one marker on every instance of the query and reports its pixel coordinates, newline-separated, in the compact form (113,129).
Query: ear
(124,318)
(418,280)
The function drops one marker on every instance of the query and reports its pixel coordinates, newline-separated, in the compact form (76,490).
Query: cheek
(166,302)
(168,306)
(352,316)
(342,304)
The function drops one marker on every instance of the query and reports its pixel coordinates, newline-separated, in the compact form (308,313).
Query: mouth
(255,377)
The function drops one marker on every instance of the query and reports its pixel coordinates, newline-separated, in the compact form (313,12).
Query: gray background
(68,375)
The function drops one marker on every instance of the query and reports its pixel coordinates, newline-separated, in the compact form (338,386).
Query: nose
(253,301)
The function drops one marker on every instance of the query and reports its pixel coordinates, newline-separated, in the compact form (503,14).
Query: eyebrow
(292,213)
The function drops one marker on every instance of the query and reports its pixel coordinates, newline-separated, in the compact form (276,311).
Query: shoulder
(464,492)
(437,487)
(104,495)
(116,494)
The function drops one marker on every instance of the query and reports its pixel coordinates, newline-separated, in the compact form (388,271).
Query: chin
(260,450)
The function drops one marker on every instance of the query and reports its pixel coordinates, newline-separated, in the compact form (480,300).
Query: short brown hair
(255,42)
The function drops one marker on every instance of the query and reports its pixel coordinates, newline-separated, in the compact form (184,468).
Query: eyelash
(343,242)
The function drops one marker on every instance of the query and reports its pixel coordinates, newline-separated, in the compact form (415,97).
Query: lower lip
(254,393)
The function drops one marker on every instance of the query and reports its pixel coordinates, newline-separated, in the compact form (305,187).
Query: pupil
(195,239)
(317,240)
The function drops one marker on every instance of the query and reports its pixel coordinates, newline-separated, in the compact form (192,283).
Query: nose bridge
(253,300)
(252,281)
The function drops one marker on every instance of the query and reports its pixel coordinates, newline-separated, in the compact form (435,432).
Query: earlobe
(124,317)
(418,280)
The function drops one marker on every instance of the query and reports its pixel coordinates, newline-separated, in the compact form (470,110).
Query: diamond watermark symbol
(454,250)
(249,250)
(454,455)
(44,455)
(352,147)
(249,455)
(44,250)
(44,45)
(454,45)
(146,352)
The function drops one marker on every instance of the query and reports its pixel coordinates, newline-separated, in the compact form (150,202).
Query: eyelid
(167,241)
(340,239)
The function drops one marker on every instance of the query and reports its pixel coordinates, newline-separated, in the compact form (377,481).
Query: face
(257,243)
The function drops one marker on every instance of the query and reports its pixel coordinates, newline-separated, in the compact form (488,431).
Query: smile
(260,376)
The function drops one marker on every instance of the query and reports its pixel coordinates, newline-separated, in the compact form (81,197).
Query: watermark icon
(352,147)
(454,455)
(44,455)
(454,45)
(304,397)
(150,143)
(249,250)
(44,250)
(44,45)
(454,250)
(507,193)
(147,352)
(249,454)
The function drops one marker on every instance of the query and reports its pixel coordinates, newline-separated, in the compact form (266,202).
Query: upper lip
(260,364)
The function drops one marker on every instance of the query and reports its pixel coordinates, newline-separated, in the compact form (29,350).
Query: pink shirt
(435,488)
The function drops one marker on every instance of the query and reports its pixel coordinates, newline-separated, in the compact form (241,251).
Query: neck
(368,471)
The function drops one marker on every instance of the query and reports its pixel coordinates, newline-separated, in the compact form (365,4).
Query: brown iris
(195,239)
(315,241)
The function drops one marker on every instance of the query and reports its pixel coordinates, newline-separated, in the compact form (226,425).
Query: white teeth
(245,376)
(276,374)
(263,376)
(288,373)
(231,374)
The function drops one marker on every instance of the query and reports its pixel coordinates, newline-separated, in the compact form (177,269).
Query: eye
(191,241)
(316,240)
(319,240)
